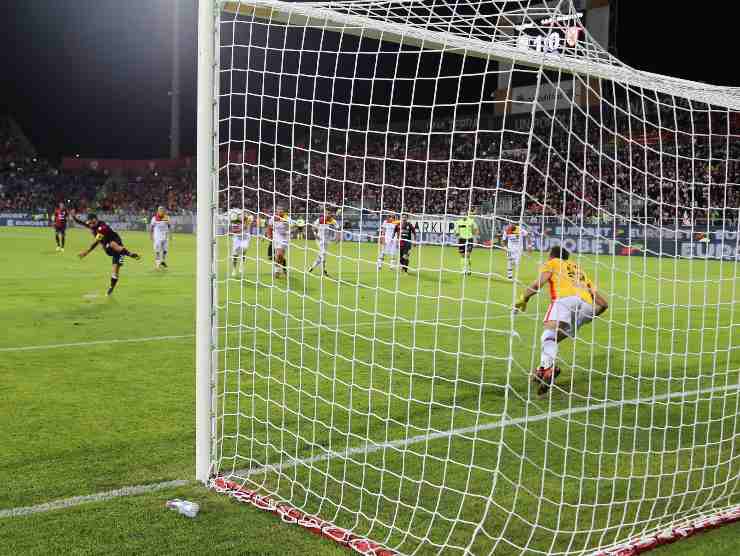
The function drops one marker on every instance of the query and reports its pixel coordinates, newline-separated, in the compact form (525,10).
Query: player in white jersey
(515,239)
(280,230)
(240,229)
(325,229)
(388,243)
(159,232)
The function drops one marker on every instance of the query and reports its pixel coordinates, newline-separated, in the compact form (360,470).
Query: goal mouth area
(400,406)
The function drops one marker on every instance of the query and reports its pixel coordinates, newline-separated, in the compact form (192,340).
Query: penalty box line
(277,329)
(366,449)
(370,448)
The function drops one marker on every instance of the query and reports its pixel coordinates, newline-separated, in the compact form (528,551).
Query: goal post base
(290,514)
(644,543)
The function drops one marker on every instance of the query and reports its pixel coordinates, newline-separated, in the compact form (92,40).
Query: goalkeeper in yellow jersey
(574,302)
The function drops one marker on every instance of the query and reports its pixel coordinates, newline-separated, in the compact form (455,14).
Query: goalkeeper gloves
(521,304)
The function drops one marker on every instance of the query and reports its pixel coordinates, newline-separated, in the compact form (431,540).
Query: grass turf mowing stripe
(367,449)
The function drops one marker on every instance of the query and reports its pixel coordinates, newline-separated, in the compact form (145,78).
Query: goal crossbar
(598,63)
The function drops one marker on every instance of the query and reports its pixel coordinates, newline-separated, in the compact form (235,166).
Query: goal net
(396,410)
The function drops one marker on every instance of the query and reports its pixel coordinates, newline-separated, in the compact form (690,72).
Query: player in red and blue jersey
(59,221)
(111,242)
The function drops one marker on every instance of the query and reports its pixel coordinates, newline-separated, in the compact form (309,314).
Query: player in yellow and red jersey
(388,244)
(325,229)
(240,229)
(159,232)
(515,240)
(574,301)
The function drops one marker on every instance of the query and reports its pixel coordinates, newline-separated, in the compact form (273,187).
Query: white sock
(549,348)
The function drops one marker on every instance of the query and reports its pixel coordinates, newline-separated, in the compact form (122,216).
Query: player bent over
(388,244)
(325,229)
(111,242)
(159,232)
(514,240)
(406,234)
(280,231)
(574,302)
(59,220)
(240,227)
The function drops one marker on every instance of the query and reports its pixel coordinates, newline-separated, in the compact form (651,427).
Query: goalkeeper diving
(574,303)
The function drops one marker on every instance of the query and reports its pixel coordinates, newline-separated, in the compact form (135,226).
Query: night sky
(92,76)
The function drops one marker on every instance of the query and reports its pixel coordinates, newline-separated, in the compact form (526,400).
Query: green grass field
(397,405)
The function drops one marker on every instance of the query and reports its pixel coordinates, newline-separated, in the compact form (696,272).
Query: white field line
(96,343)
(235,330)
(371,447)
(86,499)
(399,321)
(366,449)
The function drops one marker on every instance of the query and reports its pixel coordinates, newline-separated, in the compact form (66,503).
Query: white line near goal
(367,449)
(404,442)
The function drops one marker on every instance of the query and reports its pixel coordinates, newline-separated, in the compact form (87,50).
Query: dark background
(92,76)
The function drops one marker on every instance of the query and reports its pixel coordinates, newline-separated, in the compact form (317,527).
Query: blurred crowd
(568,166)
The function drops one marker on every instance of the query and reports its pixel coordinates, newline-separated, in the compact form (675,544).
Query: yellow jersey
(567,279)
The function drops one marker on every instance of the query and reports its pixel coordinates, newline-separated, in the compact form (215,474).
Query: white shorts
(572,311)
(280,243)
(323,246)
(514,254)
(161,243)
(239,244)
(390,248)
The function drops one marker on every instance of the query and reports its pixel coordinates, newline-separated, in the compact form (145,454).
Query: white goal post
(379,387)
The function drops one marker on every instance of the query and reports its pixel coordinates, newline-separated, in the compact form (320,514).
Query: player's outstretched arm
(532,289)
(90,249)
(600,302)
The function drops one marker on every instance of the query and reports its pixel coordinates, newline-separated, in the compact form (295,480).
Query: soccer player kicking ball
(514,240)
(59,220)
(388,245)
(111,242)
(406,233)
(159,232)
(280,229)
(574,302)
(325,229)
(466,229)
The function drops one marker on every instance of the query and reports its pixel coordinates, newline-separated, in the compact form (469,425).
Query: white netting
(399,405)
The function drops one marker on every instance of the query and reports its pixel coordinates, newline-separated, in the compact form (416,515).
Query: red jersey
(60,218)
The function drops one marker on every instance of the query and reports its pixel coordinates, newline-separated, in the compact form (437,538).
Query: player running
(279,231)
(388,245)
(159,232)
(59,220)
(325,229)
(514,238)
(240,228)
(466,229)
(111,242)
(406,233)
(574,302)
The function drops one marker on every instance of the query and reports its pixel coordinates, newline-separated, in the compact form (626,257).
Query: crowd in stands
(567,167)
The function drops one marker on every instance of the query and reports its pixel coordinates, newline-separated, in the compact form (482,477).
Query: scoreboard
(551,35)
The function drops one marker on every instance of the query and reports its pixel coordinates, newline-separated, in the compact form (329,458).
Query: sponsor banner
(27,222)
(625,232)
